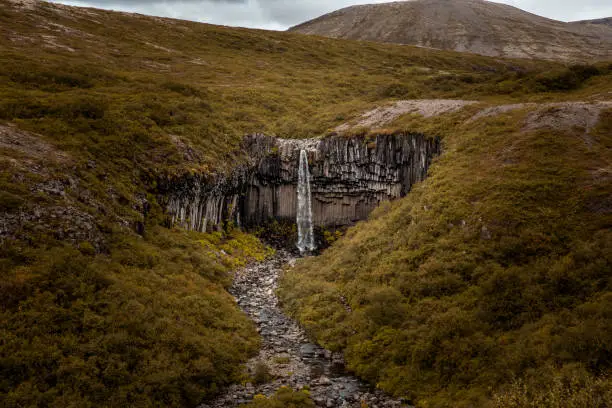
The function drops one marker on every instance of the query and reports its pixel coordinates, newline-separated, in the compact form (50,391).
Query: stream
(291,358)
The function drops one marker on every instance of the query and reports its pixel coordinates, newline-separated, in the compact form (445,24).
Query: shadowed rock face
(349,178)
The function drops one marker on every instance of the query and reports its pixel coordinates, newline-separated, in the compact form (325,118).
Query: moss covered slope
(147,324)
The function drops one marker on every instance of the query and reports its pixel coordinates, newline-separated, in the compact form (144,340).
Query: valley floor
(287,358)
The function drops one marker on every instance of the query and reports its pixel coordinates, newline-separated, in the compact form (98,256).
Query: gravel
(292,358)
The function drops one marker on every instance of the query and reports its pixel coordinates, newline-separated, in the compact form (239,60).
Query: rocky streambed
(291,358)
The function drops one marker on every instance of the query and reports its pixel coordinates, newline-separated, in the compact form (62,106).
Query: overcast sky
(281,14)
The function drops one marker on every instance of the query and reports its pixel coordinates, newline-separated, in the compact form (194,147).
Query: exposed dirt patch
(498,110)
(155,66)
(603,175)
(556,116)
(561,115)
(25,4)
(159,47)
(27,150)
(66,222)
(199,61)
(64,30)
(424,107)
(41,168)
(50,41)
(20,39)
(566,115)
(186,150)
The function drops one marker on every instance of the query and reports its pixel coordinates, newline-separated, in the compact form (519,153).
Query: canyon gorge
(349,177)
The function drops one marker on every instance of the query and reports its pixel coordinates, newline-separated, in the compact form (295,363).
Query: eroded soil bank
(291,358)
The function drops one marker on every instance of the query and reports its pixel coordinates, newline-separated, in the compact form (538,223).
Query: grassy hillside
(100,304)
(489,284)
(147,324)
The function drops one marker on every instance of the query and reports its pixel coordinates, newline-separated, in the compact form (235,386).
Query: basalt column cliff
(350,176)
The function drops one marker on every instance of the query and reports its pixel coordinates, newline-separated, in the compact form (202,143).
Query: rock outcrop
(350,177)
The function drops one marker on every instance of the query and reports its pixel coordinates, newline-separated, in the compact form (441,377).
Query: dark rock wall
(350,176)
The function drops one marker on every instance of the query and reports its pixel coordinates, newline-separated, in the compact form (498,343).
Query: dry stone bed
(292,359)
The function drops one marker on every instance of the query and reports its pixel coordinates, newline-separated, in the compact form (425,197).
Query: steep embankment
(100,303)
(475,26)
(489,284)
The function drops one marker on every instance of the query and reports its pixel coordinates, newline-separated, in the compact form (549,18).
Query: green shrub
(396,90)
(51,80)
(146,325)
(283,398)
(571,388)
(10,201)
(261,373)
(565,79)
(183,89)
(11,110)
(86,107)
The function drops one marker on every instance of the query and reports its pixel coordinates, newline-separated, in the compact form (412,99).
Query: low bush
(283,398)
(149,324)
(565,79)
(261,373)
(396,90)
(51,80)
(183,89)
(10,201)
(573,388)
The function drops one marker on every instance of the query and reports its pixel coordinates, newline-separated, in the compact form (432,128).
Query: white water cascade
(304,207)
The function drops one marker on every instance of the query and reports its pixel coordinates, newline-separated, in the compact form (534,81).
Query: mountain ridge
(606,21)
(475,26)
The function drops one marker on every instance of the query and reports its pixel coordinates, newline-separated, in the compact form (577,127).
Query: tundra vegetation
(135,313)
(283,398)
(489,284)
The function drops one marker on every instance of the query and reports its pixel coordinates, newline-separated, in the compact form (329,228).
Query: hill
(600,21)
(102,303)
(474,26)
(489,284)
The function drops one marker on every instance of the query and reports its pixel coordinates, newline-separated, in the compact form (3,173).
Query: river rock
(291,358)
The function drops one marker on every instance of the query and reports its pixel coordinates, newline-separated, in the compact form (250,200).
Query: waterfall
(304,208)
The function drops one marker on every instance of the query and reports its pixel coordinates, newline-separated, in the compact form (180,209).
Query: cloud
(281,14)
